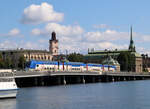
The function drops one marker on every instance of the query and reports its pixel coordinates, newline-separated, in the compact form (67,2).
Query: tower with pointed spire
(53,44)
(131,46)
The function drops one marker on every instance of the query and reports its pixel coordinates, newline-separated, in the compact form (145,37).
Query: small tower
(131,46)
(53,44)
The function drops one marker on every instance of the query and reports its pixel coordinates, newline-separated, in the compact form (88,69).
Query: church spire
(131,40)
(131,46)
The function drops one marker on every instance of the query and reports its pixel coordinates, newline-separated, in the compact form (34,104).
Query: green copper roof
(107,51)
(110,61)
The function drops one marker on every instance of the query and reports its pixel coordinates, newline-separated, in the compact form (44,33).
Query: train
(68,66)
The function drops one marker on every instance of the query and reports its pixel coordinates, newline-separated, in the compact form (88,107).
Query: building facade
(146,62)
(29,54)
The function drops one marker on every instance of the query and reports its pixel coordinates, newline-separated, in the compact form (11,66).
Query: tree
(2,64)
(75,57)
(21,62)
(126,61)
(123,61)
(8,63)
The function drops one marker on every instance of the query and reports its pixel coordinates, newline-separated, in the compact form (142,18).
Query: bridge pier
(118,78)
(36,81)
(64,80)
(113,79)
(124,79)
(134,78)
(83,80)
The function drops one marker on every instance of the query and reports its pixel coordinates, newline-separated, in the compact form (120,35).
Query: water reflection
(8,103)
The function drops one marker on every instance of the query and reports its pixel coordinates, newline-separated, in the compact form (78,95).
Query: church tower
(131,46)
(53,44)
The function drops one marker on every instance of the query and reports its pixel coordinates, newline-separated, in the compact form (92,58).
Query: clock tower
(53,45)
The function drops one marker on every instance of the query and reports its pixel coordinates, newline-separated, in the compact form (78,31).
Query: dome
(110,61)
(53,36)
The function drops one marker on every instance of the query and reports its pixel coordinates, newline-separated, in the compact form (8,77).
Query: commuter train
(68,66)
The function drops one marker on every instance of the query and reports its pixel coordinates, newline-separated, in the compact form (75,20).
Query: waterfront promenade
(47,78)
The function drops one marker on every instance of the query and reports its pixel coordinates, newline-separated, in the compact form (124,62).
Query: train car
(42,65)
(108,68)
(74,66)
(68,66)
(48,66)
(94,67)
(112,68)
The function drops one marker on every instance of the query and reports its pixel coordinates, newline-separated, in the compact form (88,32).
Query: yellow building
(29,54)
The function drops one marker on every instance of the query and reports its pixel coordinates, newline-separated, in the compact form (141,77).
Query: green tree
(21,62)
(131,62)
(75,57)
(7,63)
(2,64)
(123,61)
(126,61)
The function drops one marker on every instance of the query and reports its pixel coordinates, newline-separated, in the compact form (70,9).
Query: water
(117,95)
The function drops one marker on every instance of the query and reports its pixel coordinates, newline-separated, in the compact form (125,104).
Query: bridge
(42,78)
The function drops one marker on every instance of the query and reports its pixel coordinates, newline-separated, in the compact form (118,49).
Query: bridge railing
(126,73)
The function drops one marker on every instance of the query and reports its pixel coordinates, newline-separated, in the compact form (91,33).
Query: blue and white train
(68,66)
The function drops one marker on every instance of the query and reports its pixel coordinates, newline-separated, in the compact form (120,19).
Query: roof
(107,51)
(110,61)
(25,50)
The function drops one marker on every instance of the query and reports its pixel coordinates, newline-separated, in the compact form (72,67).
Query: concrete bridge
(47,78)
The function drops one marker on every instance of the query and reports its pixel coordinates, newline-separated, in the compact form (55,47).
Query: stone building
(146,62)
(29,54)
(99,56)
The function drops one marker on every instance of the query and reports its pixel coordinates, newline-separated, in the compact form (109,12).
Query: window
(37,65)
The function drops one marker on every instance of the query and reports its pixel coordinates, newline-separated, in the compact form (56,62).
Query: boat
(8,86)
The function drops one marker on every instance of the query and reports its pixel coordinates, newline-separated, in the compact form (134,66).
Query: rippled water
(117,95)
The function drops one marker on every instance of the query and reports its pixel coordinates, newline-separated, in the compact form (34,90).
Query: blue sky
(79,24)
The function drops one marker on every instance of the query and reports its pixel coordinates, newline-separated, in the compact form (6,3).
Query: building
(53,45)
(29,54)
(95,56)
(146,62)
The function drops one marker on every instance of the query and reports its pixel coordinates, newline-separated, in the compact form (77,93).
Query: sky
(79,24)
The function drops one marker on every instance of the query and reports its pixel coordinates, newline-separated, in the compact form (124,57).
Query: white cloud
(143,50)
(36,14)
(36,32)
(74,38)
(108,35)
(8,45)
(61,30)
(64,30)
(145,38)
(14,32)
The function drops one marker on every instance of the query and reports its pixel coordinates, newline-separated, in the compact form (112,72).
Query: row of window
(76,69)
(38,58)
(6,74)
(6,79)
